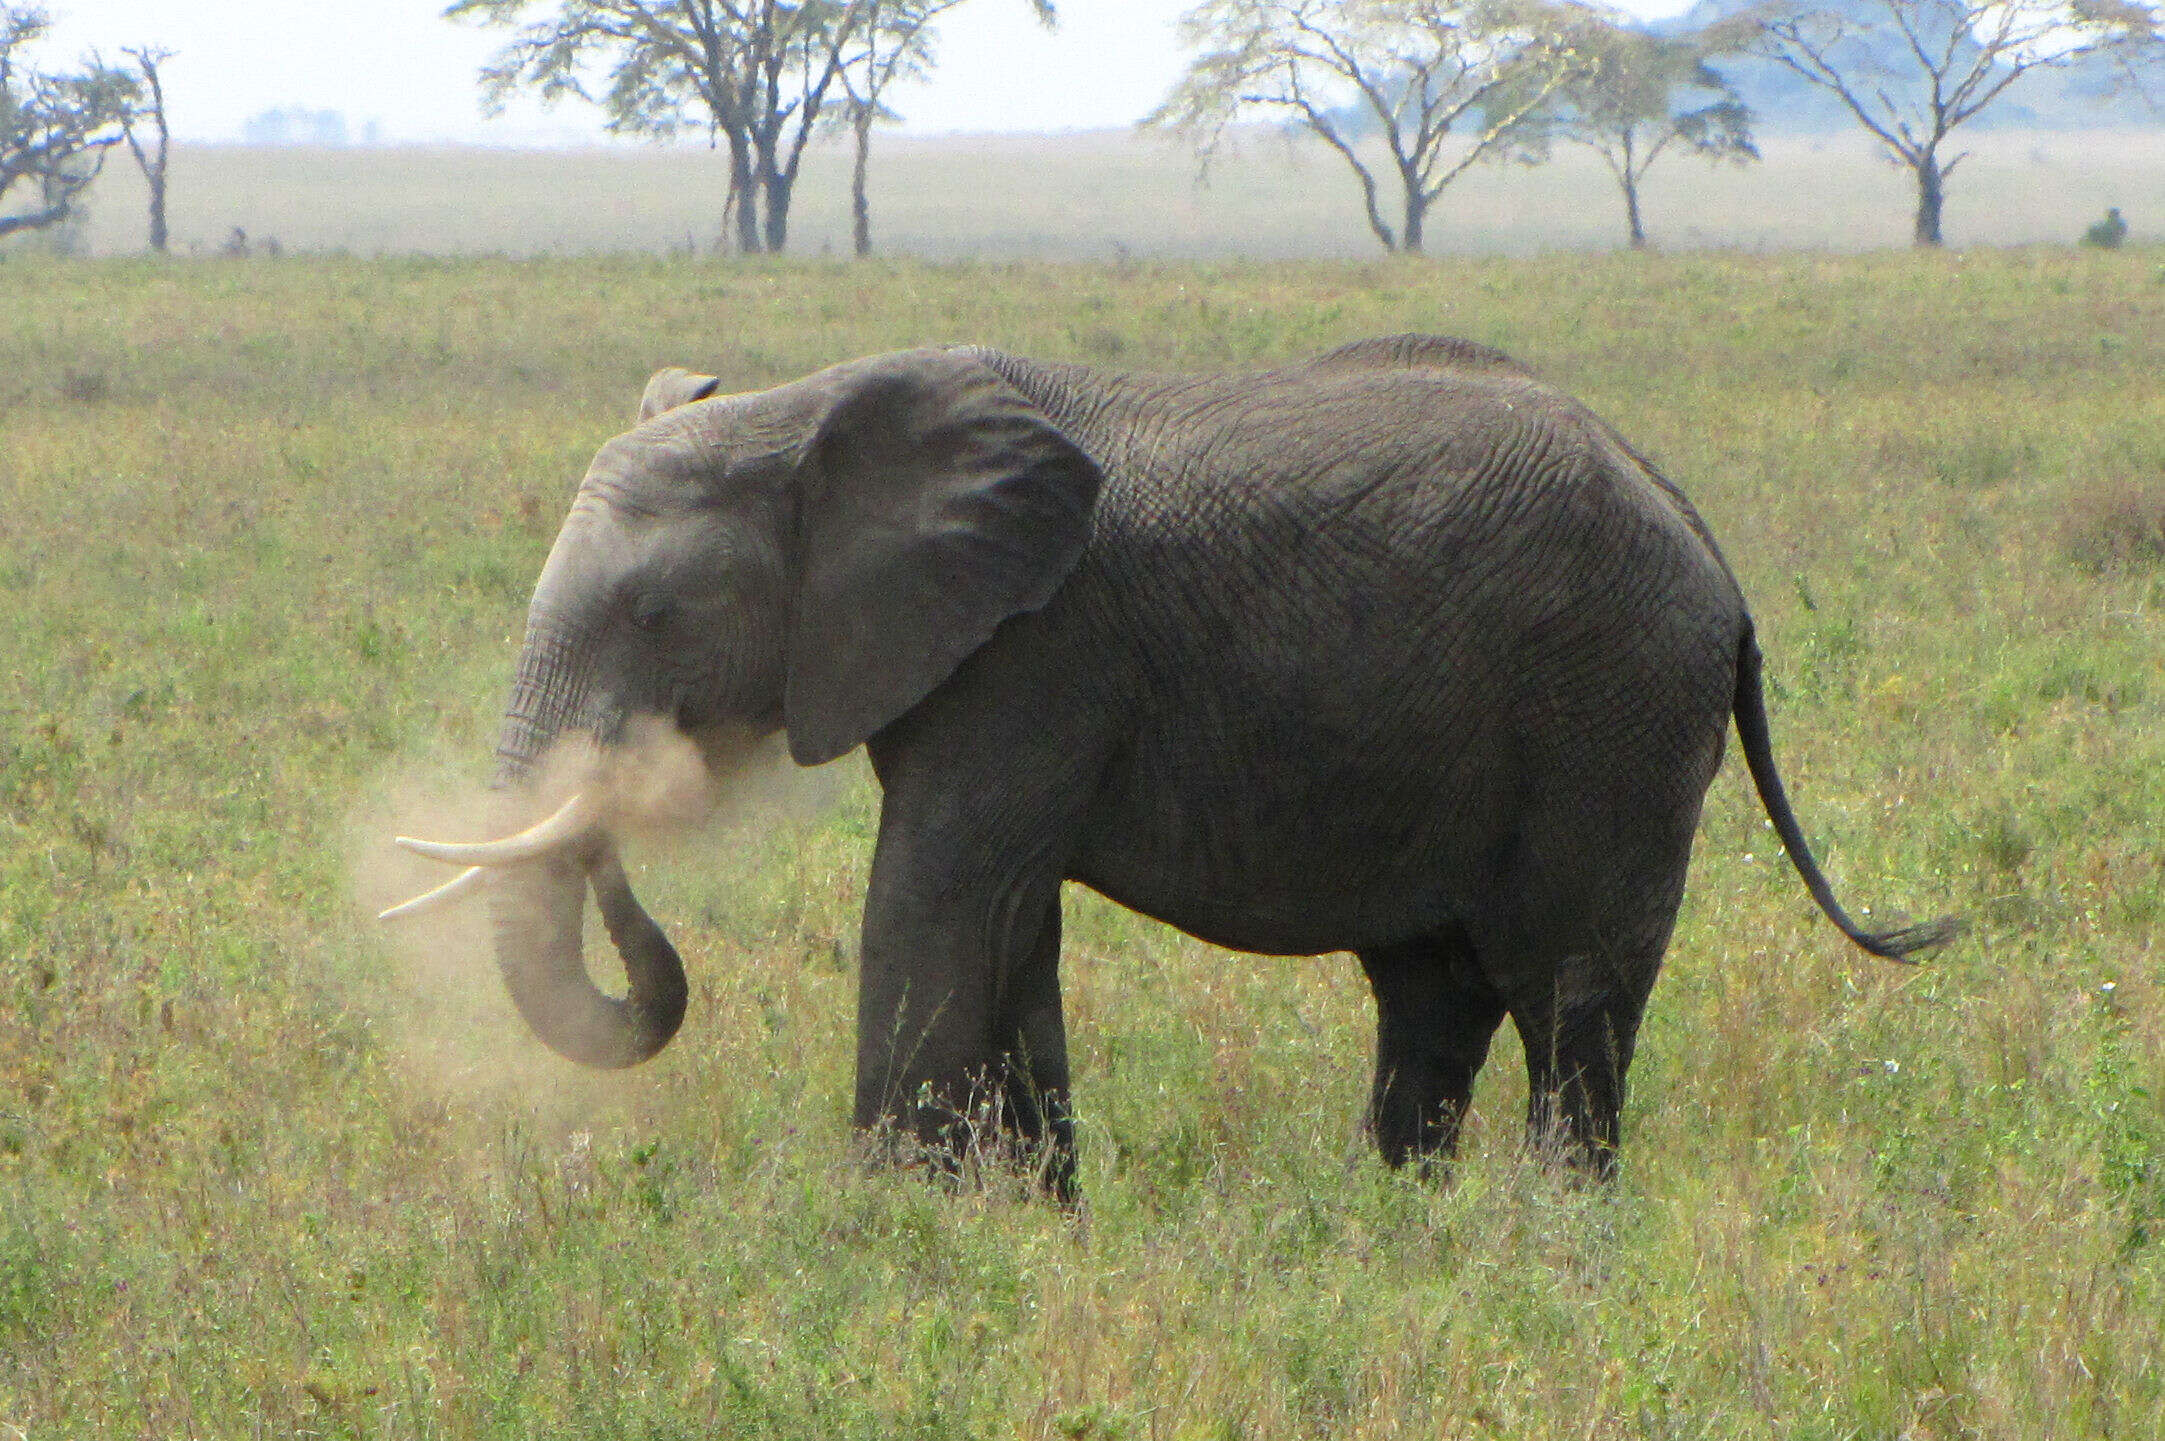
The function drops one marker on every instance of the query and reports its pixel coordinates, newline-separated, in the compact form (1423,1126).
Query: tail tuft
(1902,944)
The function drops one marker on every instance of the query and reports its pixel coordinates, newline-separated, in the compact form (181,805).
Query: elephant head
(814,558)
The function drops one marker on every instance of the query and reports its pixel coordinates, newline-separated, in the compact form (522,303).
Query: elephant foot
(1573,1131)
(1427,1146)
(995,1135)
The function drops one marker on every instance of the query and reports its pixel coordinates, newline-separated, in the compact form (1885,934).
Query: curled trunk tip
(539,910)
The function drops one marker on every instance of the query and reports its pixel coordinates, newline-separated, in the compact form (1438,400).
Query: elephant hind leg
(1435,1015)
(1577,978)
(1577,1055)
(1577,955)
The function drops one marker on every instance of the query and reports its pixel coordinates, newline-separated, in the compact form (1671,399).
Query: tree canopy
(1644,96)
(1442,84)
(55,127)
(1912,72)
(757,74)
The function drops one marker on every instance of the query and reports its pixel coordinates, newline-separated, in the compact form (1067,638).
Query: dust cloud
(665,797)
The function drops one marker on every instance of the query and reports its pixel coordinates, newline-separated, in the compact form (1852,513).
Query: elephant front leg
(1030,1035)
(961,1041)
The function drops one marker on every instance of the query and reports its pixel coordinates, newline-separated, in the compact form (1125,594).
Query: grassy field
(1111,195)
(266,532)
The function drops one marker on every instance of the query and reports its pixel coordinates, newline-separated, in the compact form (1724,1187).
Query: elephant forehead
(638,475)
(593,543)
(703,451)
(641,464)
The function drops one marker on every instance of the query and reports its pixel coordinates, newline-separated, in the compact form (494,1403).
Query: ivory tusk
(574,819)
(458,885)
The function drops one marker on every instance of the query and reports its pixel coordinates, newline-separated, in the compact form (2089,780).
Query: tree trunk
(1624,165)
(744,195)
(154,166)
(1410,235)
(772,185)
(1931,197)
(777,187)
(157,210)
(860,209)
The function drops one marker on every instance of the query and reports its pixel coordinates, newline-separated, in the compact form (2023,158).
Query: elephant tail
(1750,711)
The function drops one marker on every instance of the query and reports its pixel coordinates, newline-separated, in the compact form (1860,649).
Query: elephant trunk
(539,912)
(538,907)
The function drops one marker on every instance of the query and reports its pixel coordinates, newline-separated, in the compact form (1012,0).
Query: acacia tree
(1410,70)
(1635,104)
(1912,72)
(55,129)
(148,110)
(894,42)
(754,73)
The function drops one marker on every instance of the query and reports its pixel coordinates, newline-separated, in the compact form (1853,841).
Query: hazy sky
(399,62)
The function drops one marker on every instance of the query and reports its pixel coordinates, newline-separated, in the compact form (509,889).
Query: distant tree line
(1444,84)
(299,125)
(1409,94)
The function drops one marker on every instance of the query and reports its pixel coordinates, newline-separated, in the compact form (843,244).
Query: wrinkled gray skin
(1400,652)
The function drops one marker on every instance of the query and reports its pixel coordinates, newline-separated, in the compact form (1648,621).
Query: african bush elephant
(1398,651)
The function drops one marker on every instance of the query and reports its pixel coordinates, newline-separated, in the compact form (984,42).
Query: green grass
(265,537)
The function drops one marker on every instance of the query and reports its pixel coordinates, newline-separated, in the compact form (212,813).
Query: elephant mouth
(569,825)
(627,774)
(536,881)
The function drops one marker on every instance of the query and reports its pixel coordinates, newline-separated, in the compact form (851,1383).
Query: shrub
(2107,234)
(85,387)
(2117,526)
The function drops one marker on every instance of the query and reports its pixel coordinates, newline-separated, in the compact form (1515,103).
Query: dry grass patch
(2119,525)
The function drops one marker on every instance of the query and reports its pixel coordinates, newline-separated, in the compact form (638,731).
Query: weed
(2119,525)
(2003,840)
(1983,461)
(85,387)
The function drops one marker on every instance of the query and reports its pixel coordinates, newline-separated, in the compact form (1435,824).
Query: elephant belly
(1313,845)
(1358,801)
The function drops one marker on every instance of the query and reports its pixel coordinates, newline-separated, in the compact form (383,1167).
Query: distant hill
(2078,98)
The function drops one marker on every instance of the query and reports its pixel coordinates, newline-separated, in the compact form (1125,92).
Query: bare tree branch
(1406,72)
(1912,72)
(55,128)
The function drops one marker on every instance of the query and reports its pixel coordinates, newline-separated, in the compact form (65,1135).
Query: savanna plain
(269,1169)
(1114,195)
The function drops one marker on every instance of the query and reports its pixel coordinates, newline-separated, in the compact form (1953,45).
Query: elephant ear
(937,502)
(676,386)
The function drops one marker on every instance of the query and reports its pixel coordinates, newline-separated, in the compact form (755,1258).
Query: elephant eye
(651,614)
